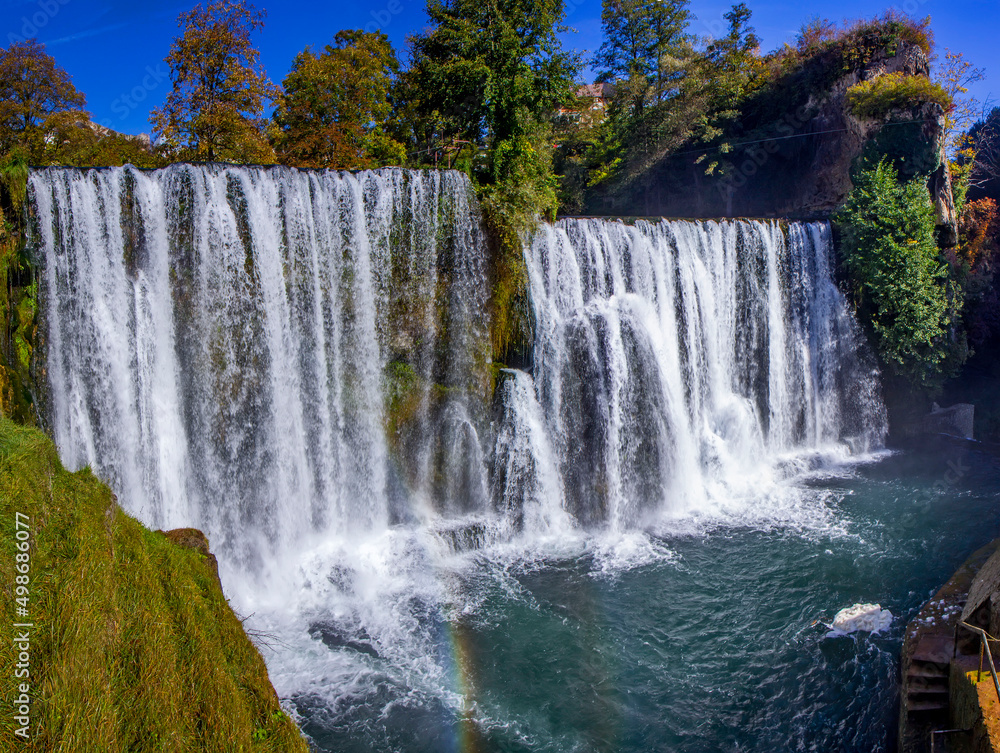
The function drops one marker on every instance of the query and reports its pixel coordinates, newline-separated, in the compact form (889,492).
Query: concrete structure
(943,695)
(956,420)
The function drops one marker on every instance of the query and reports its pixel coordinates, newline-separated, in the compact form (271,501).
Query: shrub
(865,40)
(18,296)
(877,97)
(851,47)
(899,282)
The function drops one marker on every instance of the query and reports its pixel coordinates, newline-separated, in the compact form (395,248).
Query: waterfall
(265,352)
(674,360)
(300,364)
(274,354)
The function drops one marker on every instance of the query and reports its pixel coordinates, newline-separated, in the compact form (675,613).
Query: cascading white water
(270,354)
(674,360)
(299,363)
(222,343)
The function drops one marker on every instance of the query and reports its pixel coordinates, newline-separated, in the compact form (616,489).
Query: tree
(982,157)
(492,72)
(649,55)
(955,74)
(215,108)
(976,258)
(734,60)
(37,100)
(899,282)
(642,39)
(335,104)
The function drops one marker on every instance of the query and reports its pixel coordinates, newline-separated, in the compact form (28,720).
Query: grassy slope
(134,647)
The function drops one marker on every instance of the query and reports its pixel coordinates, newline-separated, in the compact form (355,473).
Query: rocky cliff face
(796,160)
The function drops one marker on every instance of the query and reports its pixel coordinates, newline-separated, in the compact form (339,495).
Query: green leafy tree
(649,56)
(335,105)
(488,76)
(899,281)
(40,109)
(642,41)
(734,61)
(492,72)
(215,109)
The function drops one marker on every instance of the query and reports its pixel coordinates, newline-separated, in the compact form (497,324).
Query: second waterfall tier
(681,363)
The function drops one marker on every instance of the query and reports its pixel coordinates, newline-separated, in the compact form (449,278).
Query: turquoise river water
(704,639)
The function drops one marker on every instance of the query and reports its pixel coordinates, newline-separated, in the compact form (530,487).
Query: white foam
(867,618)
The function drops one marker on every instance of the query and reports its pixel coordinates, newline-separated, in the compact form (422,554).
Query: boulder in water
(337,637)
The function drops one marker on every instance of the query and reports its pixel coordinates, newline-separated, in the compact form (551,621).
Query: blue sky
(114,49)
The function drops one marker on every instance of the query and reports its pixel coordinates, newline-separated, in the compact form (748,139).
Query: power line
(726,149)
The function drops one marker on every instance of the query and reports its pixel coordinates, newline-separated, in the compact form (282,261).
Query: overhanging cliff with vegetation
(781,138)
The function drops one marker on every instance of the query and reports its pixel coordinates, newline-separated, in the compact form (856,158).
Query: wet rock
(956,420)
(334,636)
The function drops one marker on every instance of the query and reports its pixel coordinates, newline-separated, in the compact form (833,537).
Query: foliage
(42,120)
(215,106)
(975,262)
(980,156)
(734,61)
(511,207)
(878,96)
(18,294)
(978,228)
(135,647)
(640,39)
(727,105)
(815,34)
(864,41)
(826,50)
(955,75)
(659,91)
(898,280)
(38,102)
(110,149)
(489,74)
(729,75)
(335,105)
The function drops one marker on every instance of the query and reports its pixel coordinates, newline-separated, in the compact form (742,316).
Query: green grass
(134,646)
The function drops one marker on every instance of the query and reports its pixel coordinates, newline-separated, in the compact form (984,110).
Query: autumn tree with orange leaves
(216,106)
(40,109)
(336,104)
